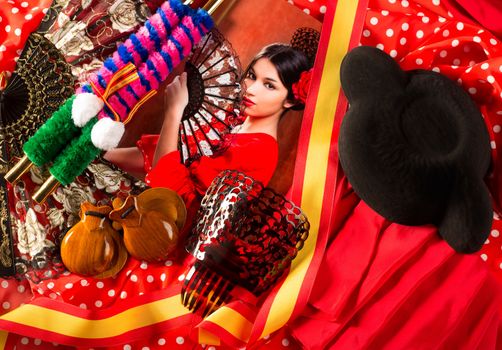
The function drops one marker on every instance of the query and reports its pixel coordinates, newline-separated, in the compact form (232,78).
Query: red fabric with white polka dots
(315,8)
(18,18)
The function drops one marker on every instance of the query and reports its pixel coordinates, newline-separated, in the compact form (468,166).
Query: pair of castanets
(151,222)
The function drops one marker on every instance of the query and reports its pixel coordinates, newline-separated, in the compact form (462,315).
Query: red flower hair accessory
(302,86)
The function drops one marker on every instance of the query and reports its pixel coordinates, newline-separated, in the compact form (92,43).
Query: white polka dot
(100,284)
(374,20)
(149,278)
(496,128)
(111,293)
(127,347)
(307,11)
(472,90)
(44,11)
(384,13)
(443,53)
(419,61)
(493,145)
(83,306)
(40,291)
(6,305)
(493,41)
(285,342)
(481,31)
(24,340)
(456,61)
(98,303)
(68,285)
(144,265)
(487,241)
(161,341)
(180,340)
(495,233)
(50,285)
(389,32)
(37,342)
(380,46)
(53,296)
(366,33)
(2,48)
(454,43)
(34,9)
(501,95)
(211,348)
(485,66)
(392,1)
(21,289)
(460,26)
(405,3)
(393,53)
(476,39)
(446,32)
(14,10)
(405,26)
(425,19)
(490,79)
(145,348)
(134,278)
(123,295)
(169,262)
(163,277)
(499,112)
(24,4)
(420,34)
(17,32)
(436,69)
(28,16)
(459,81)
(7,28)
(436,2)
(181,277)
(484,257)
(441,19)
(322,9)
(84,283)
(402,41)
(5,284)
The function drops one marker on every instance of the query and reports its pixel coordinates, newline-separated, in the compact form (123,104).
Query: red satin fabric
(488,13)
(389,286)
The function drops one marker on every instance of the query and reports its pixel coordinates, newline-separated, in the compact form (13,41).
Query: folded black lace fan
(213,82)
(41,83)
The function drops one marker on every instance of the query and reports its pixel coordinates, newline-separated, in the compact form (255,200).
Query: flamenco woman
(251,148)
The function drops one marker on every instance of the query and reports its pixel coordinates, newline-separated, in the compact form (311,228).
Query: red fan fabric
(17,20)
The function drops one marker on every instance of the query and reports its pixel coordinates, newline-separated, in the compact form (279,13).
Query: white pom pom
(85,107)
(106,134)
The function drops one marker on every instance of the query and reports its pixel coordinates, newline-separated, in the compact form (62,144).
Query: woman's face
(265,95)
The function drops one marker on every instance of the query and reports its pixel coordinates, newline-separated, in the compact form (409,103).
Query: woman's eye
(250,76)
(269,86)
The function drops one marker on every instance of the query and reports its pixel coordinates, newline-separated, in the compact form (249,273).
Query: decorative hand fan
(213,82)
(41,83)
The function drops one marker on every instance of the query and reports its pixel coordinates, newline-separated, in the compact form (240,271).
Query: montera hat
(415,148)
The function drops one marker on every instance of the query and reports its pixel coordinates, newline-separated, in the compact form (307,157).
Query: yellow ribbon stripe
(233,322)
(120,78)
(73,326)
(3,339)
(317,162)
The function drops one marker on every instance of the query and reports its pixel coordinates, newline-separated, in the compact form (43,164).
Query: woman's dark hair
(289,62)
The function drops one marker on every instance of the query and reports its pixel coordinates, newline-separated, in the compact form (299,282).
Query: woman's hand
(176,97)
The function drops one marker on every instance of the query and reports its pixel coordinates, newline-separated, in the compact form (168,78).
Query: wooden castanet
(151,222)
(92,247)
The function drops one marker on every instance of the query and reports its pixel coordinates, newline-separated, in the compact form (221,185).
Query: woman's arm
(175,101)
(128,159)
